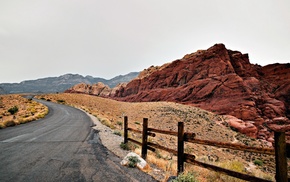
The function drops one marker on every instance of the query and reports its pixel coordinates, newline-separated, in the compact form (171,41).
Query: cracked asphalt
(60,147)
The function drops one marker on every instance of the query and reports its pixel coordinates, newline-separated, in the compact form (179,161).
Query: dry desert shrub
(186,177)
(16,109)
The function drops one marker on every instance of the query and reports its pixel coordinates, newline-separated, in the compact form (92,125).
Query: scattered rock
(141,164)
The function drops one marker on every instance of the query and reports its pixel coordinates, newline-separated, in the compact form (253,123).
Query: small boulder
(141,164)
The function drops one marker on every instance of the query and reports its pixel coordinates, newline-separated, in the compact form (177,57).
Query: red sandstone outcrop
(244,127)
(219,80)
(118,88)
(98,89)
(222,81)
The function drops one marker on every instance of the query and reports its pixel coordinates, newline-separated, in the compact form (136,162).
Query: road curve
(60,147)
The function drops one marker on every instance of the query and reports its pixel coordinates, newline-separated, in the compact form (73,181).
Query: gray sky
(106,38)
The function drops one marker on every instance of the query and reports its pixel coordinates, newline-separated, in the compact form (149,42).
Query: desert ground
(165,116)
(15,110)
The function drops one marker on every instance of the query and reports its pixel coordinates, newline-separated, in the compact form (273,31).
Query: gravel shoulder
(112,142)
(108,138)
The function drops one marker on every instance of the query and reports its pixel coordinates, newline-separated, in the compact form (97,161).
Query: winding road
(60,147)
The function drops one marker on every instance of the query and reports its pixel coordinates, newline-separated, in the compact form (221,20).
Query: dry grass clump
(165,116)
(234,165)
(15,110)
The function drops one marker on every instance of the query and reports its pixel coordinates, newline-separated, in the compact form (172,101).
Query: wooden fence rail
(279,151)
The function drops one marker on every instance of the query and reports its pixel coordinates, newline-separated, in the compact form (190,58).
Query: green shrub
(124,146)
(133,160)
(258,162)
(188,177)
(13,110)
(61,101)
(117,133)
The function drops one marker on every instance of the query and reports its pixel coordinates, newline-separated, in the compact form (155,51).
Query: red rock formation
(277,78)
(79,88)
(244,127)
(98,89)
(218,80)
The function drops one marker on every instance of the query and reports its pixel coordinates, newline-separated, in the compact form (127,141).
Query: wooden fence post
(126,129)
(280,157)
(144,138)
(180,150)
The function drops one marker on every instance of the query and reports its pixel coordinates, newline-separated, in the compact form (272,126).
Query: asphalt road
(60,147)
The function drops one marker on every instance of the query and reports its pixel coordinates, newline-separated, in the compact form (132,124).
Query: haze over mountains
(61,83)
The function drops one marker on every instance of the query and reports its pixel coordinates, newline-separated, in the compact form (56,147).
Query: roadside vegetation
(165,115)
(15,110)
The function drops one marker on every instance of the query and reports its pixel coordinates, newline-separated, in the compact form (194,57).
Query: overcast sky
(106,38)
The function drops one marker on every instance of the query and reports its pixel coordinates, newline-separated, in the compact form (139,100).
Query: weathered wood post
(280,157)
(125,129)
(180,150)
(144,138)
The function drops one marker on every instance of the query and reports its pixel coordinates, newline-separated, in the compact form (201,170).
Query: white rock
(140,164)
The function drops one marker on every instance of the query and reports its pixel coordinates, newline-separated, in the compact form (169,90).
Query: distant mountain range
(61,83)
(2,91)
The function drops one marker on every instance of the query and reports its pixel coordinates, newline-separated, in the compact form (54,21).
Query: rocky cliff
(252,98)
(222,81)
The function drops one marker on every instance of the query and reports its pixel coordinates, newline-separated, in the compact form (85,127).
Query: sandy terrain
(28,110)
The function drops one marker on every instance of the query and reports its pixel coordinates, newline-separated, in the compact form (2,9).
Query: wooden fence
(279,150)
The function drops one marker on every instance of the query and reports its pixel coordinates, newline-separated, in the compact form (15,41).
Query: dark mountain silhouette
(2,91)
(61,83)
